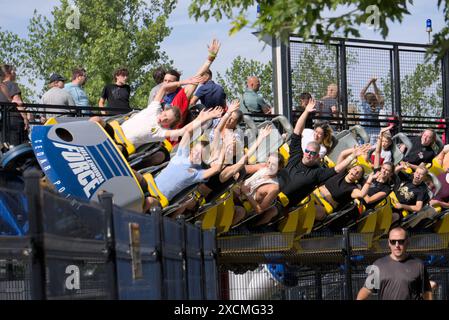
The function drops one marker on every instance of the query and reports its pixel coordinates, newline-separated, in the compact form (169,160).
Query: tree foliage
(234,79)
(421,91)
(110,34)
(307,18)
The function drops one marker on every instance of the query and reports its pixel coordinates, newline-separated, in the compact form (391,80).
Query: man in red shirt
(180,97)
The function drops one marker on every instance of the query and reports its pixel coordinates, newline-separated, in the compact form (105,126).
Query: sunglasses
(399,242)
(312,153)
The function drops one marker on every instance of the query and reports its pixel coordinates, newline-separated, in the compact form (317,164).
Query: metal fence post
(343,83)
(180,219)
(445,83)
(347,255)
(105,200)
(397,84)
(34,197)
(156,212)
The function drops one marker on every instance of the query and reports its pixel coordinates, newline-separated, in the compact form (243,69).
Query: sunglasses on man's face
(398,241)
(312,153)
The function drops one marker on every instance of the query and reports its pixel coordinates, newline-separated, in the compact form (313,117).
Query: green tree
(110,34)
(315,68)
(305,17)
(421,91)
(234,79)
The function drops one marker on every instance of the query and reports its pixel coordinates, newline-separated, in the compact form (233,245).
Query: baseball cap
(56,77)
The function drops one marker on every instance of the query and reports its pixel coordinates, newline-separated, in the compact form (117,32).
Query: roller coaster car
(81,160)
(299,219)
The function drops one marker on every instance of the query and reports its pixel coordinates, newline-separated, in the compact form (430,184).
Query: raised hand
(265,131)
(311,106)
(372,176)
(214,47)
(383,130)
(446,148)
(235,105)
(216,112)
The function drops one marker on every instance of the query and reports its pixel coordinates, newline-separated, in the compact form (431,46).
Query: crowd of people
(168,116)
(266,190)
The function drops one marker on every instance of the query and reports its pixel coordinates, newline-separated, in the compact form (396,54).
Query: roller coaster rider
(303,172)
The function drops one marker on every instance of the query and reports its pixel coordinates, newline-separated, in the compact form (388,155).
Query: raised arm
(365,88)
(378,150)
(188,129)
(235,105)
(377,92)
(212,49)
(176,84)
(351,154)
(301,123)
(230,171)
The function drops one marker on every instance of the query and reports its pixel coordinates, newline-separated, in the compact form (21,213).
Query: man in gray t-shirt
(56,96)
(397,276)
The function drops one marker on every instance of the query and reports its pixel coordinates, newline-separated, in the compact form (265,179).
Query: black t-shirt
(297,180)
(376,187)
(402,280)
(117,96)
(339,189)
(419,153)
(408,193)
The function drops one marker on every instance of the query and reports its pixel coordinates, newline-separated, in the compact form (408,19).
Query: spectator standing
(211,94)
(4,93)
(19,122)
(117,94)
(57,96)
(252,102)
(158,77)
(399,275)
(79,78)
(371,105)
(328,106)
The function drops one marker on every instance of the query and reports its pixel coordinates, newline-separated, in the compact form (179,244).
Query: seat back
(154,190)
(438,145)
(396,153)
(384,219)
(120,138)
(286,126)
(250,130)
(347,139)
(270,144)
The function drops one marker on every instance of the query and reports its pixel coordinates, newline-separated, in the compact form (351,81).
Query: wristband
(211,58)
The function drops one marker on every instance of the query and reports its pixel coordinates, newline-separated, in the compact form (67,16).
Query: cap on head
(56,77)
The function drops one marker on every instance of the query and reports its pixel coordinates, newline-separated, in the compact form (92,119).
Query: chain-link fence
(369,81)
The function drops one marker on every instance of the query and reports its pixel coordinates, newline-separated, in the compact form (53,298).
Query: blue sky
(187,43)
